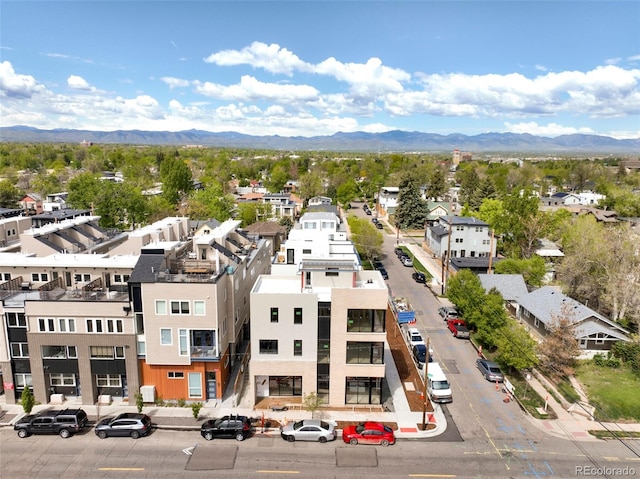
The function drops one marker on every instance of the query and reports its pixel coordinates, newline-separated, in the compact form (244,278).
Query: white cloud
(251,89)
(551,129)
(175,82)
(15,85)
(76,82)
(271,58)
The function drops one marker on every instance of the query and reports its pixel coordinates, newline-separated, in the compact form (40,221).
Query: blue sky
(307,68)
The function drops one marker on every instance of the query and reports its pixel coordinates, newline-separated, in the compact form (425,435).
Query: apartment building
(318,321)
(460,237)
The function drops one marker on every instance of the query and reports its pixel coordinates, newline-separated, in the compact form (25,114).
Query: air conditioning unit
(148,393)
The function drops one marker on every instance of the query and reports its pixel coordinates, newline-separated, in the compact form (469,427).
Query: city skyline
(318,68)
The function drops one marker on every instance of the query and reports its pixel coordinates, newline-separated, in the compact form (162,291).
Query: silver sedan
(309,430)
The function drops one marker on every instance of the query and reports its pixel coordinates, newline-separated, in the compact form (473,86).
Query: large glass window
(165,337)
(19,350)
(285,386)
(324,350)
(16,320)
(195,385)
(365,353)
(62,379)
(363,390)
(108,380)
(268,346)
(365,320)
(56,352)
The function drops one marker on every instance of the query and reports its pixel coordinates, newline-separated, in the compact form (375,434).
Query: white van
(437,384)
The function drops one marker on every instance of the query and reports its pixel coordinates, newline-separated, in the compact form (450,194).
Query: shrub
(139,402)
(606,361)
(182,402)
(27,400)
(195,409)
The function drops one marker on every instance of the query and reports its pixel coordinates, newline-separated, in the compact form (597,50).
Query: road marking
(121,469)
(432,475)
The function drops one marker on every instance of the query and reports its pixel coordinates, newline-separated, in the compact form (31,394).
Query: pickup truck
(459,328)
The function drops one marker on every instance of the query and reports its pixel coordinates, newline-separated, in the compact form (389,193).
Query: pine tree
(411,212)
(27,400)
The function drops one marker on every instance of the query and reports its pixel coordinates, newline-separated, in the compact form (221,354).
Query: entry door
(212,392)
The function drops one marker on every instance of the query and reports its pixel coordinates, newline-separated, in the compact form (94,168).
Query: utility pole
(425,390)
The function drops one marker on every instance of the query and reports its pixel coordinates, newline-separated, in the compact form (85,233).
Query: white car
(406,261)
(309,430)
(414,336)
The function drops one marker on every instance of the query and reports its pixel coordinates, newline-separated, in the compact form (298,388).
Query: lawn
(614,392)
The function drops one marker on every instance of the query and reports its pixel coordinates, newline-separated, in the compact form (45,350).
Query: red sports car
(369,433)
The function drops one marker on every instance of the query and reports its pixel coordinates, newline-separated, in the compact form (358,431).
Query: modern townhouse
(161,309)
(191,304)
(460,237)
(318,321)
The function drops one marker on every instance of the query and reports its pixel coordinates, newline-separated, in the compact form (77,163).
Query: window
(46,325)
(175,375)
(297,347)
(306,251)
(62,379)
(36,277)
(268,346)
(23,380)
(82,278)
(195,385)
(108,380)
(19,350)
(67,325)
(142,348)
(114,326)
(459,240)
(198,308)
(183,342)
(106,352)
(274,315)
(365,353)
(600,338)
(365,320)
(363,391)
(297,315)
(120,278)
(94,326)
(54,352)
(179,307)
(165,337)
(285,386)
(16,320)
(161,306)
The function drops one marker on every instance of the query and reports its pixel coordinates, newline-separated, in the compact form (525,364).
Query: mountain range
(390,141)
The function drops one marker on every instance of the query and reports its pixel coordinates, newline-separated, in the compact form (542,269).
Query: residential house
(460,237)
(552,255)
(387,200)
(594,333)
(436,210)
(318,321)
(511,286)
(31,204)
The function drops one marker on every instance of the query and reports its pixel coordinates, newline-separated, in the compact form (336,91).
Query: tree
(346,192)
(411,212)
(27,400)
(559,348)
(367,240)
(467,293)
(9,195)
(489,318)
(210,202)
(516,347)
(176,179)
(312,402)
(532,270)
(252,212)
(437,187)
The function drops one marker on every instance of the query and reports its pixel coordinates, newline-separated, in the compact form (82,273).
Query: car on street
(399,251)
(374,221)
(368,433)
(379,225)
(419,352)
(414,336)
(448,312)
(384,273)
(236,427)
(65,423)
(309,430)
(490,370)
(419,277)
(406,261)
(458,328)
(377,264)
(127,424)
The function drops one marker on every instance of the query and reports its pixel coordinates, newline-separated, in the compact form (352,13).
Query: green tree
(436,187)
(467,293)
(411,212)
(84,190)
(287,222)
(210,202)
(346,192)
(251,212)
(367,240)
(27,400)
(139,401)
(195,409)
(516,347)
(490,318)
(310,185)
(522,224)
(176,179)
(9,195)
(312,402)
(532,270)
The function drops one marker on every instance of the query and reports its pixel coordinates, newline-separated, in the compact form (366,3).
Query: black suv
(238,427)
(65,423)
(130,424)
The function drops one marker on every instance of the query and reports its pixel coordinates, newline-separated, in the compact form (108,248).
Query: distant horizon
(319,67)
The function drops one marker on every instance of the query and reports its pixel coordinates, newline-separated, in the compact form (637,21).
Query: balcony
(204,352)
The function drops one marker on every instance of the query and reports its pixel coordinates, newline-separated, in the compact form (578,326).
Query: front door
(212,392)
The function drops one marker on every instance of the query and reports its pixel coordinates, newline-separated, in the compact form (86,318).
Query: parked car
(374,220)
(448,312)
(490,370)
(379,225)
(129,424)
(419,277)
(368,433)
(309,430)
(419,352)
(377,264)
(384,273)
(399,251)
(238,427)
(367,211)
(65,423)
(414,336)
(458,328)
(406,261)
